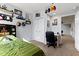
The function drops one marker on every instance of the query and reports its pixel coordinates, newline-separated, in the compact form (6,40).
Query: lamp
(52,8)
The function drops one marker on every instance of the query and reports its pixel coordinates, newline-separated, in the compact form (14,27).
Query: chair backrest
(50,36)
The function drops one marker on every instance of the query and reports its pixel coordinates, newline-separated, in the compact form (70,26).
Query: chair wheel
(48,46)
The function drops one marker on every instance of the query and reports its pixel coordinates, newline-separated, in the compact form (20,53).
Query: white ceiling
(65,8)
(61,8)
(31,7)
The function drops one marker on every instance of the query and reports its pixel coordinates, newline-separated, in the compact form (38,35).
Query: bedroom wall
(48,22)
(66,29)
(73,29)
(77,31)
(56,28)
(25,31)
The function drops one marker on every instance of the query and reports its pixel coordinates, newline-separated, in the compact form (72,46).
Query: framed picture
(37,15)
(54,22)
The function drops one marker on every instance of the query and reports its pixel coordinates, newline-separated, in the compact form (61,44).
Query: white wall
(24,32)
(69,30)
(66,29)
(77,31)
(73,29)
(49,22)
(56,28)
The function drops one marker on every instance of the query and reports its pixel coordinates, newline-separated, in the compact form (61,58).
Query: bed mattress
(17,47)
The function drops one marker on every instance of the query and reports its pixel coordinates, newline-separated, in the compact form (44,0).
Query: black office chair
(51,39)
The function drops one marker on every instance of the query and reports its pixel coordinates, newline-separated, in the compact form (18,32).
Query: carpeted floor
(67,49)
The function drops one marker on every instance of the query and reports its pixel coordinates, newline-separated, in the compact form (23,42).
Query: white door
(39,32)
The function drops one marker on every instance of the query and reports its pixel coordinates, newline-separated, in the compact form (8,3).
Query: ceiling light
(52,8)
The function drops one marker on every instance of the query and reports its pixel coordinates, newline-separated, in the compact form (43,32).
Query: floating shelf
(7,11)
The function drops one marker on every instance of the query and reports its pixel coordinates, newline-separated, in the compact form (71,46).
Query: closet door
(39,30)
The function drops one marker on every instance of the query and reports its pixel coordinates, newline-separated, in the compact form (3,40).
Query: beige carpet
(67,49)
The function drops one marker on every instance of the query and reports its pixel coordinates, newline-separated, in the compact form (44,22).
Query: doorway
(68,28)
(68,25)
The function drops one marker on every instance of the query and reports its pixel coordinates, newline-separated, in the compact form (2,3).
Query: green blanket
(12,46)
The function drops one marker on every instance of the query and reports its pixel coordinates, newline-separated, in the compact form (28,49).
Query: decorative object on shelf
(52,8)
(20,17)
(18,24)
(28,21)
(12,14)
(18,12)
(54,22)
(9,18)
(5,17)
(13,33)
(37,15)
(4,7)
(13,29)
(1,18)
(0,6)
(23,23)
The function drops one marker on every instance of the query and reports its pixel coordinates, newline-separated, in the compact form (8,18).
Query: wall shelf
(6,11)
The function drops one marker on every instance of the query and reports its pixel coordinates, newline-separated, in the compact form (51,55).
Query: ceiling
(66,8)
(61,8)
(31,7)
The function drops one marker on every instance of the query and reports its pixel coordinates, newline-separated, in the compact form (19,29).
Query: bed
(12,46)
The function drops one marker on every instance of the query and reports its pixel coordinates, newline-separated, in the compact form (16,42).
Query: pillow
(11,36)
(1,37)
(26,40)
(4,40)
